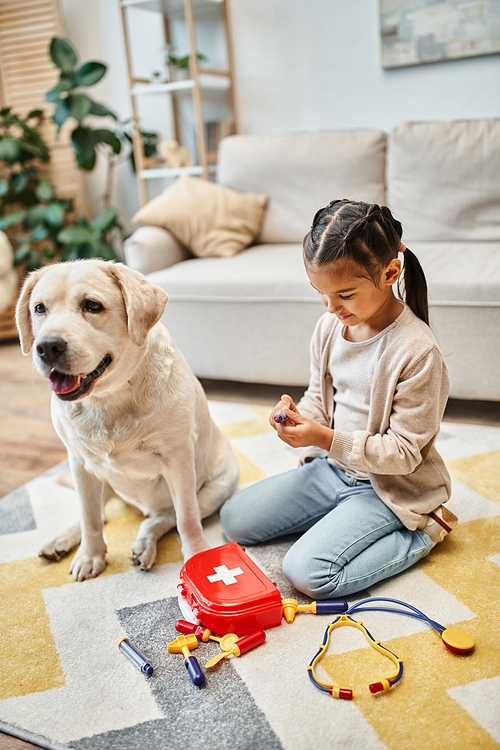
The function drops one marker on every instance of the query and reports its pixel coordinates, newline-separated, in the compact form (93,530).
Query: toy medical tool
(280,418)
(326,607)
(230,644)
(335,690)
(184,644)
(454,639)
(136,657)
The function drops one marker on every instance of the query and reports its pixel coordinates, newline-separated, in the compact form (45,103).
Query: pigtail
(415,286)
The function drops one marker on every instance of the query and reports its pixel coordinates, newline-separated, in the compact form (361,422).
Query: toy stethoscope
(454,639)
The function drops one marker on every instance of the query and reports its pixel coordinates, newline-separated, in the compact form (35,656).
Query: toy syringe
(135,656)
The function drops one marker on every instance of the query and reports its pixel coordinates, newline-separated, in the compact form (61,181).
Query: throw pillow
(210,220)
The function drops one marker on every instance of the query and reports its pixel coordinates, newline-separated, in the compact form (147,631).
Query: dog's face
(86,323)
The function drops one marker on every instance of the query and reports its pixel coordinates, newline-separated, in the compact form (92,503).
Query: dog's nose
(50,348)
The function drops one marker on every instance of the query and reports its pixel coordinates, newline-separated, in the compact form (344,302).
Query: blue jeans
(350,538)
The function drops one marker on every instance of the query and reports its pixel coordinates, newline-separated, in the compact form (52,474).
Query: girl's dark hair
(369,236)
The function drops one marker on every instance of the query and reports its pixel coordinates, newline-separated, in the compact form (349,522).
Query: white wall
(300,65)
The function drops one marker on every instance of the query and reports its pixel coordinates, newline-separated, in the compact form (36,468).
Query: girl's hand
(285,403)
(299,432)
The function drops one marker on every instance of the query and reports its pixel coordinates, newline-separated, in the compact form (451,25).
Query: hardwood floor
(29,444)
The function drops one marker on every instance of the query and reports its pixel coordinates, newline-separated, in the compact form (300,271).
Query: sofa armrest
(151,249)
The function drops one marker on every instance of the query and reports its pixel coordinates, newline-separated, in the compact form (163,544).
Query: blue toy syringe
(136,657)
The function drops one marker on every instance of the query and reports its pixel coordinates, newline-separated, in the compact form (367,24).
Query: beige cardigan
(407,401)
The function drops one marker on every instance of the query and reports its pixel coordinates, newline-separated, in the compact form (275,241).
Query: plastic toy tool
(184,644)
(136,657)
(230,644)
(454,639)
(326,607)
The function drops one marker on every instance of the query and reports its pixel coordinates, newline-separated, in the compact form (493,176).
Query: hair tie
(402,247)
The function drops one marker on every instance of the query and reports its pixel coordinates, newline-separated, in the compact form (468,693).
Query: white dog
(131,413)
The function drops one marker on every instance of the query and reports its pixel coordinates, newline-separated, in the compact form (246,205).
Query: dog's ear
(144,302)
(23,317)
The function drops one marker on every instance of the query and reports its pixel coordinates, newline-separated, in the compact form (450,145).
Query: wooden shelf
(156,173)
(201,81)
(167,6)
(206,82)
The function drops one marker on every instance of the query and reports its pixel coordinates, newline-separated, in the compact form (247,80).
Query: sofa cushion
(273,272)
(302,172)
(443,180)
(236,318)
(459,272)
(210,220)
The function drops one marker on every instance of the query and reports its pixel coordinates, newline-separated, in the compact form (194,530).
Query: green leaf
(61,113)
(9,149)
(75,235)
(104,250)
(84,148)
(54,214)
(66,83)
(21,254)
(35,113)
(106,220)
(4,187)
(101,111)
(62,54)
(40,233)
(34,149)
(10,220)
(34,260)
(45,190)
(90,73)
(79,105)
(108,137)
(34,216)
(17,183)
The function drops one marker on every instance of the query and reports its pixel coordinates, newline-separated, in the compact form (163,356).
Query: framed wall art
(415,32)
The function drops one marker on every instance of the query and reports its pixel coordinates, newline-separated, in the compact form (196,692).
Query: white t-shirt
(352,367)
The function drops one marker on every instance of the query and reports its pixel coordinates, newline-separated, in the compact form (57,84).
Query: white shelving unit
(201,80)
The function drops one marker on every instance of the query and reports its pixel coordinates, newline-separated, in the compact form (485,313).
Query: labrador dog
(131,413)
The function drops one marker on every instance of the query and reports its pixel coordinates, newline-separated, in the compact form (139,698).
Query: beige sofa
(250,317)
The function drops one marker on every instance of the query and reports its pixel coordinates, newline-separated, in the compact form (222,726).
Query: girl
(367,498)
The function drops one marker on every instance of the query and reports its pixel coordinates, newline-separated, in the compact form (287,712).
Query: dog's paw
(61,545)
(144,553)
(87,566)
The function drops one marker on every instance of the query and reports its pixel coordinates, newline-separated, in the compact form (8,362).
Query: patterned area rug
(64,683)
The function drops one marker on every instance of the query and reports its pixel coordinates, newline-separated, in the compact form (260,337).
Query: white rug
(64,683)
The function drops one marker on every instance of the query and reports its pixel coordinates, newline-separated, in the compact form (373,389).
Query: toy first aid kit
(225,591)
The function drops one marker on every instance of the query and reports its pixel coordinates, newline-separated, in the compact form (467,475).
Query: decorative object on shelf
(416,31)
(181,64)
(8,276)
(210,220)
(174,155)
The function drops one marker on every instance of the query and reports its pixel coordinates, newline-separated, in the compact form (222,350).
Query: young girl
(367,498)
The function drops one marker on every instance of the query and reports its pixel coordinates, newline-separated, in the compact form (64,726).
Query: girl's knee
(236,525)
(229,522)
(308,575)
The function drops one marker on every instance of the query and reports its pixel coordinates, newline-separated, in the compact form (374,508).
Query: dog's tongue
(60,382)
